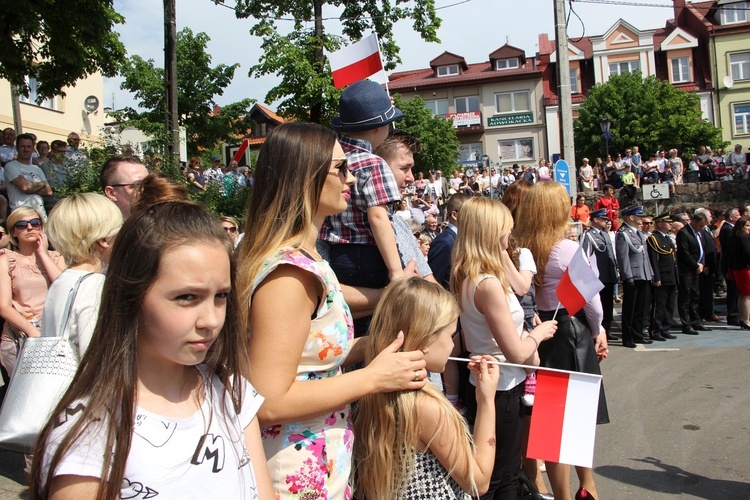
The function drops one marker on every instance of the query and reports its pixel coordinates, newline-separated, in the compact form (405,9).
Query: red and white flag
(563,424)
(356,61)
(579,284)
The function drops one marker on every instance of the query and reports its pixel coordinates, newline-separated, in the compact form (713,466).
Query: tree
(306,90)
(58,43)
(198,84)
(436,135)
(648,113)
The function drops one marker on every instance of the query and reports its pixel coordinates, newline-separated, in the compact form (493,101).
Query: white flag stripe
(585,279)
(354,52)
(579,424)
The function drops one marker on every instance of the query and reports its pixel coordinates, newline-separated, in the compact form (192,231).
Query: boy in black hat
(363,246)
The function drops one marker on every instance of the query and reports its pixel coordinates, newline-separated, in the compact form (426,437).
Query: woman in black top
(739,264)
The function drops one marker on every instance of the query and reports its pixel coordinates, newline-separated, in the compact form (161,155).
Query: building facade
(495,105)
(56,118)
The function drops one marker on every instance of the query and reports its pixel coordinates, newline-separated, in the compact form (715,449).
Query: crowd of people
(304,353)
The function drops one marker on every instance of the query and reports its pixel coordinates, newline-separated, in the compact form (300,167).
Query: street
(680,427)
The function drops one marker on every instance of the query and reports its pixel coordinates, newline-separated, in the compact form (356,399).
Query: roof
(474,73)
(257,107)
(706,13)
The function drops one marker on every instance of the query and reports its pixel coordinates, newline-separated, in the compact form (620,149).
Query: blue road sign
(562,174)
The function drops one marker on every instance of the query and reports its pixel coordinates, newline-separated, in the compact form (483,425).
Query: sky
(470,28)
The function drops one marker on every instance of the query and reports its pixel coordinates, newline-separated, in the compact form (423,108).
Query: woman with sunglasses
(301,329)
(232,228)
(25,277)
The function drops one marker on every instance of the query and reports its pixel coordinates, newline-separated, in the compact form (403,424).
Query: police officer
(636,274)
(595,240)
(661,254)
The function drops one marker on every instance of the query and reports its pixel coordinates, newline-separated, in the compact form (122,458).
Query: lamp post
(605,123)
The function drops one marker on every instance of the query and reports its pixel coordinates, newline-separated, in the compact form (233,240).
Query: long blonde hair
(478,249)
(291,169)
(386,425)
(542,221)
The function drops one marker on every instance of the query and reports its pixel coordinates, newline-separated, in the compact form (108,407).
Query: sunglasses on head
(35,223)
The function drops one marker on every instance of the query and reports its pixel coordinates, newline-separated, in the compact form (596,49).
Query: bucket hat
(364,105)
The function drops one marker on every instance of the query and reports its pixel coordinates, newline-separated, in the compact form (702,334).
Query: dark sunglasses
(230,229)
(35,223)
(342,166)
(131,184)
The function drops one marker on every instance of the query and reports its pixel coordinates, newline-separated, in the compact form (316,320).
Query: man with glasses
(26,182)
(119,178)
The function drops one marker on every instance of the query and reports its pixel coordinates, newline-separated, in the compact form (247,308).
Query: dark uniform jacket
(661,253)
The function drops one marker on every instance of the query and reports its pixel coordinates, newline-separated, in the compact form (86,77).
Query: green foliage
(197,86)
(436,135)
(648,113)
(306,90)
(58,42)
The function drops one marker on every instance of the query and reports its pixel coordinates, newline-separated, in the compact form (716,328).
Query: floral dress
(312,459)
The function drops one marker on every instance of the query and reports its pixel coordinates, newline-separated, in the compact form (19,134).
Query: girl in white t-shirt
(158,405)
(414,445)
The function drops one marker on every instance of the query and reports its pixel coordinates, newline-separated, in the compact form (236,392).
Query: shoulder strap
(69,306)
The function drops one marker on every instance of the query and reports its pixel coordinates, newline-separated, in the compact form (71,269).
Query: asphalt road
(680,427)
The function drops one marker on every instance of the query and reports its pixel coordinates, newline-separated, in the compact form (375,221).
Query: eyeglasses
(131,184)
(35,223)
(342,166)
(647,223)
(231,229)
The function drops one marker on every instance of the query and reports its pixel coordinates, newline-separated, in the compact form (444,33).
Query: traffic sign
(563,175)
(655,192)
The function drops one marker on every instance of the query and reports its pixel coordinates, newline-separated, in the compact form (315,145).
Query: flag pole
(380,54)
(501,363)
(556,309)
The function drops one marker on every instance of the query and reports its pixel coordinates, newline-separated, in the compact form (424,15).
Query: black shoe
(628,344)
(689,331)
(658,338)
(744,325)
(612,337)
(668,336)
(701,328)
(733,322)
(644,341)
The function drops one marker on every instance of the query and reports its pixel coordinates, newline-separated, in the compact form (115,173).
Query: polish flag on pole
(563,424)
(579,284)
(356,61)
(240,152)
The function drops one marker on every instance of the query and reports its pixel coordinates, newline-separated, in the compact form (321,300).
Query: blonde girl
(414,444)
(492,321)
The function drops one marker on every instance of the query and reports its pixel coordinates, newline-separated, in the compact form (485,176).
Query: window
(680,70)
(33,94)
(574,89)
(506,63)
(447,70)
(741,119)
(734,12)
(513,102)
(516,149)
(437,107)
(465,104)
(624,67)
(740,66)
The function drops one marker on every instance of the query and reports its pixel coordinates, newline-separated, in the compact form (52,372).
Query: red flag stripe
(240,151)
(545,434)
(568,294)
(356,71)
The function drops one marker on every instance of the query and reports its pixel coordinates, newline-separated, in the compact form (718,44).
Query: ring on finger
(416,375)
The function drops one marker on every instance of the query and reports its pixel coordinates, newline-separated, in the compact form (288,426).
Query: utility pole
(15,103)
(316,110)
(170,82)
(563,91)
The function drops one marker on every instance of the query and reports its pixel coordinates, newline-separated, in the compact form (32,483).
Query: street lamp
(605,123)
